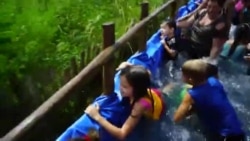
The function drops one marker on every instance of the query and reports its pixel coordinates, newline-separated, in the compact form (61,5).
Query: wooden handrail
(80,79)
(143,32)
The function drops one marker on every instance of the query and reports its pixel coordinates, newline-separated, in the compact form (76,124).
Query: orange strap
(158,105)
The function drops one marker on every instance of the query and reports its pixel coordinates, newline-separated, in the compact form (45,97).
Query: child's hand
(168,88)
(172,52)
(190,111)
(93,111)
(123,65)
(163,33)
(162,41)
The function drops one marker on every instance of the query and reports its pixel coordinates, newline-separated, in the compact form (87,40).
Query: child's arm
(170,51)
(184,108)
(168,88)
(127,127)
(190,111)
(123,65)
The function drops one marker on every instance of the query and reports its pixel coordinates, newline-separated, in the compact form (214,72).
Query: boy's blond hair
(196,69)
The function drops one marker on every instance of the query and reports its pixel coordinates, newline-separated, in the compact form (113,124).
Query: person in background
(241,14)
(209,100)
(247,55)
(247,58)
(236,49)
(208,30)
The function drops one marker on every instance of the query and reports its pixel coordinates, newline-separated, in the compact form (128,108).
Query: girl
(209,99)
(236,49)
(134,84)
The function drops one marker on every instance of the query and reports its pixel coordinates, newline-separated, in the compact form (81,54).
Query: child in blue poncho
(209,99)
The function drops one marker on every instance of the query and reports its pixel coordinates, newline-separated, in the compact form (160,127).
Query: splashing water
(235,83)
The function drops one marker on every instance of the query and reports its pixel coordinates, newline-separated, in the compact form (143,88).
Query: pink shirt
(239,6)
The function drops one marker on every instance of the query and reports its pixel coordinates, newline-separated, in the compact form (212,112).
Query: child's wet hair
(242,35)
(139,78)
(196,69)
(170,23)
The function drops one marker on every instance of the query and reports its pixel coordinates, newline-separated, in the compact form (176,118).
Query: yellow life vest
(158,105)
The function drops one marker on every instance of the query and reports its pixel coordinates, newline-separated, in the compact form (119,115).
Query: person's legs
(171,68)
(232,31)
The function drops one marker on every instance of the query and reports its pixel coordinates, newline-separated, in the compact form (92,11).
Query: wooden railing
(103,59)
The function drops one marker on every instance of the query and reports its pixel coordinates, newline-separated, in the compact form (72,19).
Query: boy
(169,42)
(209,99)
(168,28)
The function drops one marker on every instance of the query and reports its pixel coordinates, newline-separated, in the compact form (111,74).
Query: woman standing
(208,30)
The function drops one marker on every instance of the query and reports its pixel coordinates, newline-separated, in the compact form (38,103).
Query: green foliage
(40,34)
(38,38)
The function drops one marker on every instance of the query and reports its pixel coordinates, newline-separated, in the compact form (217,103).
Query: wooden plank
(108,68)
(173,9)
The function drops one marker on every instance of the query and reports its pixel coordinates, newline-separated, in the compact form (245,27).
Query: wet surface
(236,83)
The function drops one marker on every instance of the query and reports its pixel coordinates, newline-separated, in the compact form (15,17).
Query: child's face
(166,30)
(125,88)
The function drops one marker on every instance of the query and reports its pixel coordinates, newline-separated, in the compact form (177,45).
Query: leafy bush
(39,34)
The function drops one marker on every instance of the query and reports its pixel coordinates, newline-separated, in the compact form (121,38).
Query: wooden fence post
(143,32)
(173,9)
(108,68)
